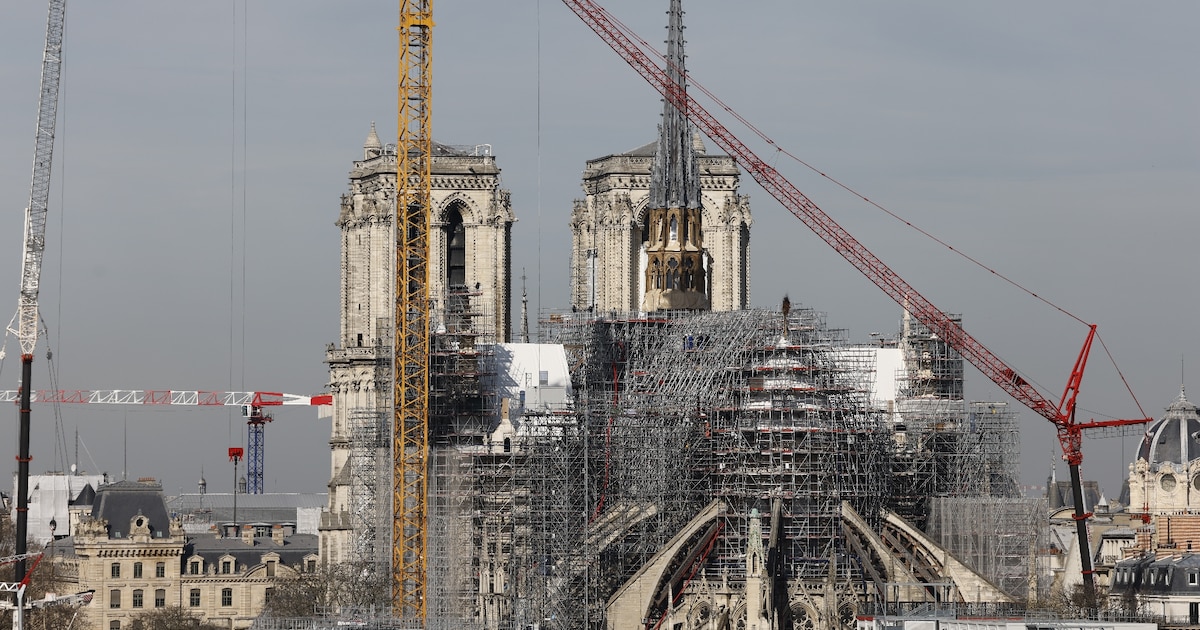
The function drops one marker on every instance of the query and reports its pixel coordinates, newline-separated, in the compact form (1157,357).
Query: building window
(271,569)
(137,598)
(194,598)
(456,248)
(226,597)
(226,566)
(160,570)
(194,567)
(137,569)
(160,597)
(114,625)
(312,566)
(114,598)
(1191,579)
(115,570)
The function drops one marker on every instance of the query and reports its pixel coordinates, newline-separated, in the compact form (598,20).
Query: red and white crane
(252,404)
(1062,414)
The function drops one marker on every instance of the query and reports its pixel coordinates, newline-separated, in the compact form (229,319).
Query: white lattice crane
(25,322)
(252,404)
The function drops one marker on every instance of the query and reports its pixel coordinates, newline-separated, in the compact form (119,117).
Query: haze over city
(203,149)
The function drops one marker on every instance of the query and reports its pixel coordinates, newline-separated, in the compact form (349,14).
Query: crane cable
(651,51)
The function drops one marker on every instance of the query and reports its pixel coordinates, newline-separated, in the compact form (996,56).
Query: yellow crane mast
(410,446)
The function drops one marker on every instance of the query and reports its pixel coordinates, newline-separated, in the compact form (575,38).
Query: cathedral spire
(676,273)
(674,179)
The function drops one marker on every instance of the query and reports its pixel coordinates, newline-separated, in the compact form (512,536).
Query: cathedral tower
(469,261)
(662,226)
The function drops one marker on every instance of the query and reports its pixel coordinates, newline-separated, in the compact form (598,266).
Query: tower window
(456,249)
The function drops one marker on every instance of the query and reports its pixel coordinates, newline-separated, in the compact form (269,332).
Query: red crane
(252,404)
(1062,414)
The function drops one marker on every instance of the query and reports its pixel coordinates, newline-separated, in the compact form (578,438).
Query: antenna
(125,449)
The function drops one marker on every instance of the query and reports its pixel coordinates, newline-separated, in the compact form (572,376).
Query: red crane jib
(1062,414)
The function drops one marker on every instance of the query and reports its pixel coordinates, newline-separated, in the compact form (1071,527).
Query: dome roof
(1175,438)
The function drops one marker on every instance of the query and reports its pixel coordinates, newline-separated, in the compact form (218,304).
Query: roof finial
(372,148)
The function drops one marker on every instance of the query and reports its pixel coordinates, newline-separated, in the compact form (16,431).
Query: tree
(331,586)
(169,618)
(43,580)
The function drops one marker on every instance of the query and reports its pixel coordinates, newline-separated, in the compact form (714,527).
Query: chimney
(248,534)
(277,534)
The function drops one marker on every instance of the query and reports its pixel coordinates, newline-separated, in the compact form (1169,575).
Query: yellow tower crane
(410,446)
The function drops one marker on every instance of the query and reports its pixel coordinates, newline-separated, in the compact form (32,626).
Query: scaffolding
(369,462)
(795,438)
(755,408)
(996,536)
(767,412)
(461,412)
(931,412)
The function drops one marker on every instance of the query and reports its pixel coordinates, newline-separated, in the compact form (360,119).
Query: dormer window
(226,566)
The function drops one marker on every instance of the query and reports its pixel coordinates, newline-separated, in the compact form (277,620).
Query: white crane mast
(26,320)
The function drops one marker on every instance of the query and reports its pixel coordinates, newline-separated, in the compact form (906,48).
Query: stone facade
(471,241)
(136,558)
(1165,477)
(609,232)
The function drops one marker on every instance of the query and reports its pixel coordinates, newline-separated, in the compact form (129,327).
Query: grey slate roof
(291,552)
(1175,438)
(1144,574)
(119,502)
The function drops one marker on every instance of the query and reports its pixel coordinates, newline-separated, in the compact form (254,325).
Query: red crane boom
(1061,414)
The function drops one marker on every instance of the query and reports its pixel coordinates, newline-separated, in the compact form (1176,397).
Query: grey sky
(1057,142)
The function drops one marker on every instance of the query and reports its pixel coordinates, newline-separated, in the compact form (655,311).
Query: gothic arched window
(456,248)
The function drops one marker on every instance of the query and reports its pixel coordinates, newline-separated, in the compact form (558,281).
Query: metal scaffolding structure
(929,414)
(538,515)
(796,440)
(369,462)
(461,411)
(759,409)
(996,536)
